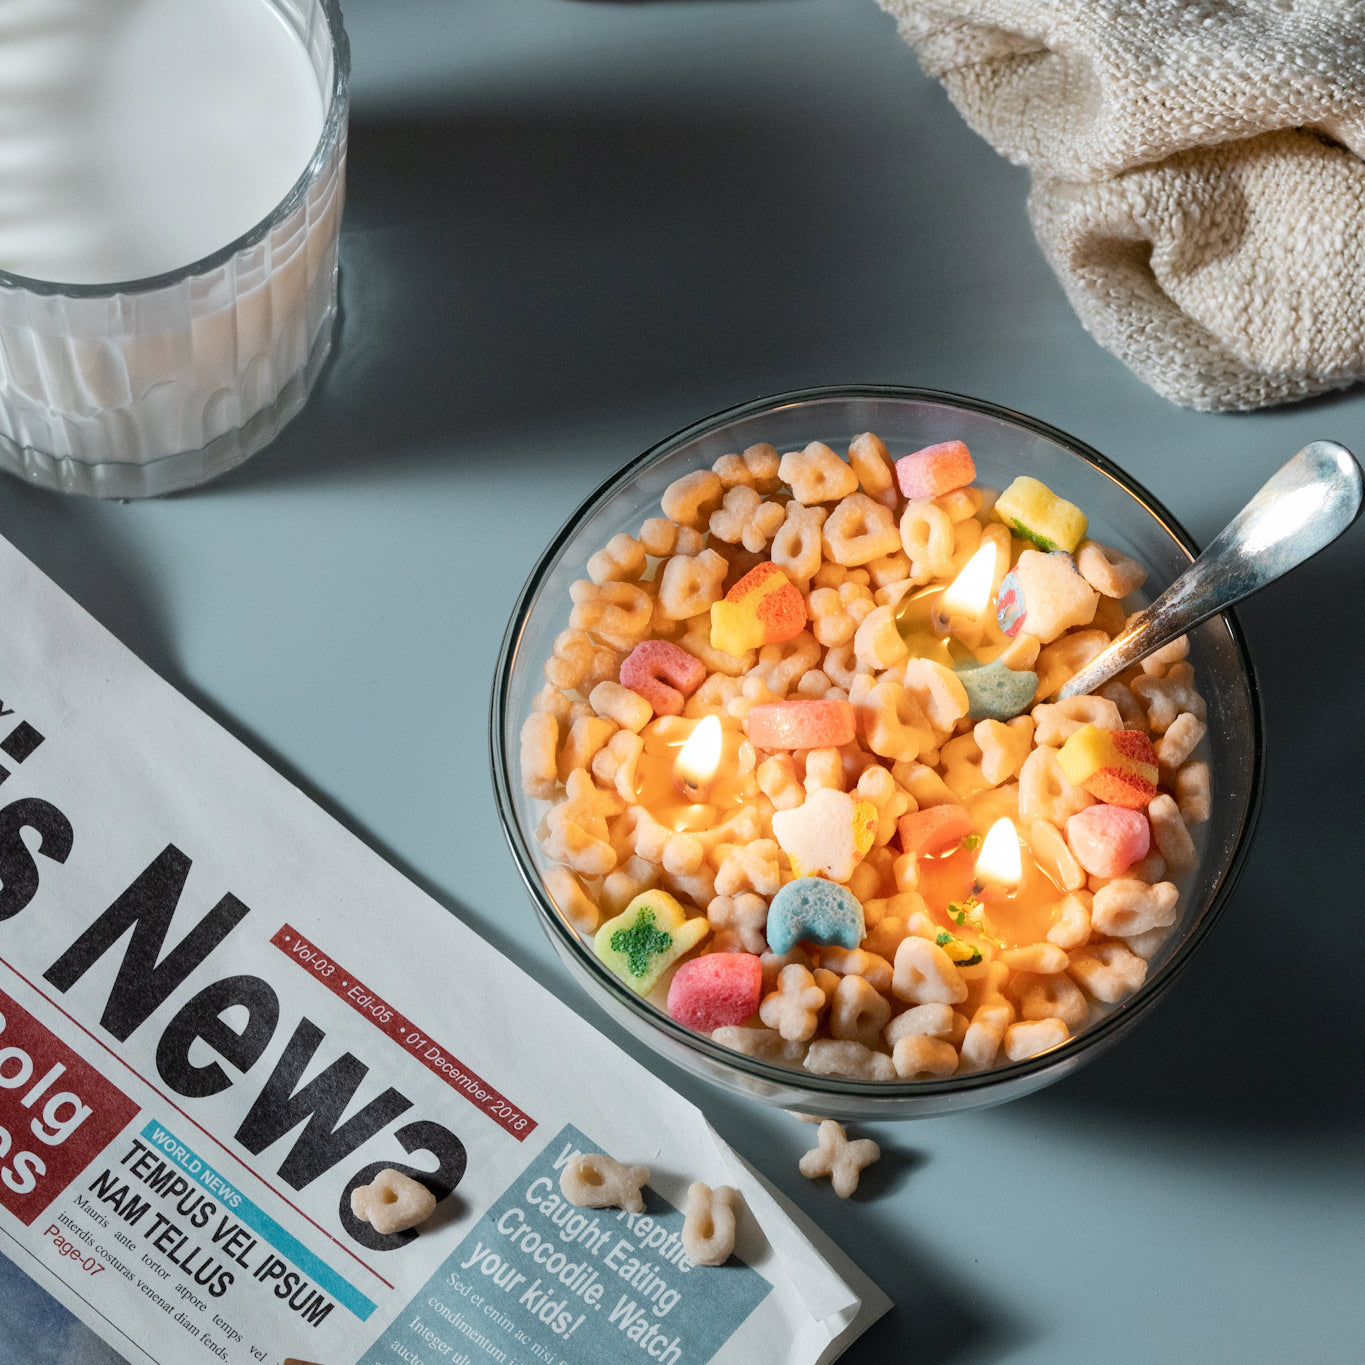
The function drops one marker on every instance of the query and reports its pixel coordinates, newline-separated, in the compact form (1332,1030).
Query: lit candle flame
(999,861)
(699,758)
(967,596)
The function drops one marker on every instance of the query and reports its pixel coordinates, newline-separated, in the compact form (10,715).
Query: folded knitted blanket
(1197,177)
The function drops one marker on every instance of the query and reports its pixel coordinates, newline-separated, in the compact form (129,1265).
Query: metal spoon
(1305,506)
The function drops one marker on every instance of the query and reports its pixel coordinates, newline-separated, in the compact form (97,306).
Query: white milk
(138,136)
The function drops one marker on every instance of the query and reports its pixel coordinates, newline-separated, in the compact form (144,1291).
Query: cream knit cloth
(1197,176)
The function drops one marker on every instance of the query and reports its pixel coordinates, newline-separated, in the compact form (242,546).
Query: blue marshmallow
(996,692)
(814,910)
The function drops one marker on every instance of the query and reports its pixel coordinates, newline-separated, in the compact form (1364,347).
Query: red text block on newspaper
(404,1032)
(57,1113)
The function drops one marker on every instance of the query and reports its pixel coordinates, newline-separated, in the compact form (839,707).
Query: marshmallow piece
(717,990)
(765,607)
(801,724)
(1045,594)
(647,938)
(663,674)
(392,1202)
(934,828)
(828,834)
(1036,514)
(996,691)
(1117,766)
(935,470)
(708,1232)
(593,1181)
(1107,840)
(814,910)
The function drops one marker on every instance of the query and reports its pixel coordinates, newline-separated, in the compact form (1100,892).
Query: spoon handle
(1305,506)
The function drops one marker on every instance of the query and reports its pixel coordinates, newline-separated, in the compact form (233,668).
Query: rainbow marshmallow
(1117,766)
(764,608)
(1036,514)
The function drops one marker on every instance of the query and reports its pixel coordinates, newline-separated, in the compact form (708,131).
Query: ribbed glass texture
(145,387)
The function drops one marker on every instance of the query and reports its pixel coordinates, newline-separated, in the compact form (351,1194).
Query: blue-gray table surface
(573,228)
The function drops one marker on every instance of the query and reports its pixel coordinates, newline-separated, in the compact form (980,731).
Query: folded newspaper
(220,1013)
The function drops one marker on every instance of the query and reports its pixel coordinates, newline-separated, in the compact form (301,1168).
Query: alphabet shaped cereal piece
(1030,1037)
(1108,571)
(763,608)
(745,519)
(860,530)
(829,833)
(801,724)
(877,643)
(622,559)
(1046,594)
(718,989)
(708,1232)
(1172,838)
(647,938)
(1166,698)
(1108,840)
(858,1011)
(740,919)
(691,499)
(1108,971)
(689,584)
(1127,906)
(793,1009)
(1045,793)
(1117,766)
(847,1057)
(935,470)
(996,691)
(1036,514)
(1057,721)
(797,549)
(663,674)
(392,1202)
(618,614)
(814,910)
(539,768)
(927,538)
(923,974)
(593,1181)
(871,463)
(756,468)
(835,1156)
(817,474)
(917,1056)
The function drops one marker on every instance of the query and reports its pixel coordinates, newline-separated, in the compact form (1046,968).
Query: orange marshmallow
(1115,766)
(763,608)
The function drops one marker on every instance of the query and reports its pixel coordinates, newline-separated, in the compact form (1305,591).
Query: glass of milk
(171,186)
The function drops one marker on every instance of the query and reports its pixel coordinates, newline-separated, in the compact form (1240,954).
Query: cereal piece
(934,829)
(1071,929)
(1053,854)
(935,470)
(571,900)
(539,767)
(847,1057)
(661,538)
(756,467)
(872,464)
(763,608)
(917,1056)
(858,1011)
(617,764)
(875,970)
(392,1202)
(814,910)
(838,612)
(801,724)
(1192,790)
(930,1021)
(793,1009)
(996,691)
(835,1156)
(1054,996)
(816,474)
(715,990)
(1172,837)
(1166,698)
(747,867)
(1045,793)
(1036,514)
(690,500)
(1134,718)
(1126,906)
(1117,766)
(981,1044)
(797,548)
(877,785)
(690,584)
(824,770)
(860,530)
(1041,959)
(927,538)
(576,829)
(708,1230)
(1159,661)
(960,759)
(1057,721)
(615,613)
(647,938)
(586,736)
(1180,740)
(741,918)
(1030,1037)
(577,661)
(1108,971)
(743,518)
(626,706)
(1064,658)
(696,640)
(590,1180)
(1020,653)
(877,642)
(1107,840)
(778,781)
(964,503)
(1045,593)
(627,881)
(553,702)
(938,690)
(621,559)
(828,834)
(1003,747)
(923,974)
(766,1044)
(1108,571)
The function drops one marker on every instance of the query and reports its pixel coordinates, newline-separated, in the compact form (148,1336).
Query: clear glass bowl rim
(332,128)
(785,1077)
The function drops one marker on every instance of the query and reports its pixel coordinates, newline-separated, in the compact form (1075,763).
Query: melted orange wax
(657,790)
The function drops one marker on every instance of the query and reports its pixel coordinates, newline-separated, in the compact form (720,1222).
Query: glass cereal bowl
(1004,445)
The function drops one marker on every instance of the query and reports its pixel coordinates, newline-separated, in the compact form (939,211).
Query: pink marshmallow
(720,988)
(663,674)
(1108,840)
(935,470)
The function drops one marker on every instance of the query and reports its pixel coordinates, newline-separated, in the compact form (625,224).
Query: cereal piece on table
(793,1009)
(1166,698)
(829,833)
(817,474)
(1128,906)
(647,938)
(867,454)
(708,1231)
(539,762)
(935,470)
(593,1181)
(1192,791)
(846,1057)
(763,608)
(1117,766)
(814,910)
(618,614)
(1108,971)
(743,518)
(860,530)
(858,1011)
(918,1056)
(801,724)
(1045,594)
(934,829)
(1036,514)
(1029,1037)
(835,1156)
(995,691)
(392,1202)
(756,467)
(927,538)
(767,1044)
(690,500)
(721,988)
(690,584)
(1172,837)
(1108,571)
(626,706)
(572,901)
(1107,840)
(621,559)
(1045,793)
(1057,721)
(1180,740)
(923,974)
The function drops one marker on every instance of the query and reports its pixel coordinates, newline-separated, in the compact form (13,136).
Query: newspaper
(221,1013)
